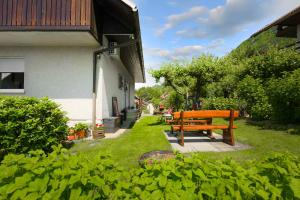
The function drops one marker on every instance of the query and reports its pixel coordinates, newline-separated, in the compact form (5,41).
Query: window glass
(11,80)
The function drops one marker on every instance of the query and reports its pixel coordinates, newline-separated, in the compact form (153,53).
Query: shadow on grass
(131,125)
(293,129)
(158,123)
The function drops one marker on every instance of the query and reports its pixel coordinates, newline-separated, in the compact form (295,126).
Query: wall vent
(113,51)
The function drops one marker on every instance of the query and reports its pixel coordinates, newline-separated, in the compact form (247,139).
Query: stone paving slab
(196,142)
(127,124)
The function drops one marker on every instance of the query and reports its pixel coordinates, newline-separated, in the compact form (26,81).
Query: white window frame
(20,67)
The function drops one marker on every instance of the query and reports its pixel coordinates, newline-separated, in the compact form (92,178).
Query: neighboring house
(51,48)
(287,26)
(150,108)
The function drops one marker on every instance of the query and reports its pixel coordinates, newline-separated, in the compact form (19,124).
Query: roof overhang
(125,17)
(47,38)
(285,24)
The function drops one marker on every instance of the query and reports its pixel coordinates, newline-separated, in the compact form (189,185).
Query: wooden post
(231,136)
(181,129)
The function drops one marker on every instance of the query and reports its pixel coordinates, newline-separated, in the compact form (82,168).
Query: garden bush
(28,123)
(284,95)
(252,91)
(61,175)
(220,103)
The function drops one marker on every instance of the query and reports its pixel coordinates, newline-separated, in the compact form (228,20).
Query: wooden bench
(176,120)
(193,121)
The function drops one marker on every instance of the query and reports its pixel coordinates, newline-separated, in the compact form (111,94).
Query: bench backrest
(176,115)
(209,114)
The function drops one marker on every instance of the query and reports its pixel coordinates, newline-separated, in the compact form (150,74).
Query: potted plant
(71,134)
(81,130)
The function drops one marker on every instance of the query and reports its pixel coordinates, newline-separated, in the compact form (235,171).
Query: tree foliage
(259,45)
(152,94)
(191,80)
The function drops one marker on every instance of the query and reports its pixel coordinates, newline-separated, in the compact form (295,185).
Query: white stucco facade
(108,70)
(65,74)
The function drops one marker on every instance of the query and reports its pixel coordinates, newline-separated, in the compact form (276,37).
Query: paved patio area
(127,124)
(196,142)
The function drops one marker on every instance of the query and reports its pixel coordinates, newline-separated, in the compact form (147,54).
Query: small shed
(150,108)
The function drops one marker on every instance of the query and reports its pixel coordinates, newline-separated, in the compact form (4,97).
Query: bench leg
(182,138)
(231,140)
(228,137)
(225,136)
(209,132)
(172,130)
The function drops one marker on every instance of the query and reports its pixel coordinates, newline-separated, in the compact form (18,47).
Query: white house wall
(109,68)
(63,74)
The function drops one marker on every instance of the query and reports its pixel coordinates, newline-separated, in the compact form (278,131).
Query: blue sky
(182,29)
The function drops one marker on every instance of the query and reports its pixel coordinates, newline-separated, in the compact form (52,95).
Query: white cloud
(192,33)
(174,20)
(228,19)
(156,52)
(184,52)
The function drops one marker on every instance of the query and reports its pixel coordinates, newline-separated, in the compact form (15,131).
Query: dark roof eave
(278,21)
(140,46)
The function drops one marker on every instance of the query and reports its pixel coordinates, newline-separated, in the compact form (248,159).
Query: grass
(146,135)
(262,141)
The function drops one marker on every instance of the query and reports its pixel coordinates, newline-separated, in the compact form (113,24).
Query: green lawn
(262,141)
(146,135)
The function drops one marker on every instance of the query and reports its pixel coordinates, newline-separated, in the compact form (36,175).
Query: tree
(191,79)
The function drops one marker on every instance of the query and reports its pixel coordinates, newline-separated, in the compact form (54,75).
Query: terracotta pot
(80,134)
(71,137)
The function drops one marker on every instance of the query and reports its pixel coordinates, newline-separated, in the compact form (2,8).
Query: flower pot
(80,134)
(71,137)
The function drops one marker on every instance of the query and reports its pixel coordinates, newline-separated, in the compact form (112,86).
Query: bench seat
(202,121)
(201,127)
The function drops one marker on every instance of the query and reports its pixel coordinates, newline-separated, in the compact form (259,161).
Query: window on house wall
(121,83)
(11,75)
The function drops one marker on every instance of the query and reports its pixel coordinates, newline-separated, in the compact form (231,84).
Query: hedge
(62,175)
(220,103)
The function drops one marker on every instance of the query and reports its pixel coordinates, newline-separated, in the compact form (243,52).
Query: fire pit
(155,156)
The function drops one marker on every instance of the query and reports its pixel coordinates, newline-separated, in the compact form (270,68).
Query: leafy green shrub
(252,91)
(284,95)
(174,100)
(261,110)
(62,175)
(220,103)
(81,127)
(294,131)
(29,123)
